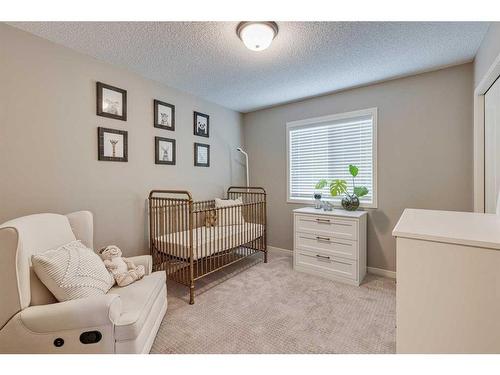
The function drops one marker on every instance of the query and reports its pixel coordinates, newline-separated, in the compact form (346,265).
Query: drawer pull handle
(341,243)
(338,261)
(323,221)
(344,224)
(323,238)
(322,257)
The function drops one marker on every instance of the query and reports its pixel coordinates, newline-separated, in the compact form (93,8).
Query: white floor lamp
(246,163)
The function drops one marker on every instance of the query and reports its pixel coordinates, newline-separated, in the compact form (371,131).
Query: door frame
(479,124)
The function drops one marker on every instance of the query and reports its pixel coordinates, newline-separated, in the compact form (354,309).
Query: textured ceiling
(306,59)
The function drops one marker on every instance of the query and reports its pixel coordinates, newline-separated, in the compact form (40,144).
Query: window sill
(336,204)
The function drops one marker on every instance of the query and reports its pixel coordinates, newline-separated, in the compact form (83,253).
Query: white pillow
(72,271)
(231,216)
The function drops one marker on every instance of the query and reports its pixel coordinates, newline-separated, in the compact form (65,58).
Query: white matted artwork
(201,124)
(164,115)
(164,151)
(112,144)
(201,155)
(111,101)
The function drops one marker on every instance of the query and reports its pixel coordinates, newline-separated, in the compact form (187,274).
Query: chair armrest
(75,314)
(144,260)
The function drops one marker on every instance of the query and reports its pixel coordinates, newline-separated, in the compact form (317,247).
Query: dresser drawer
(327,245)
(325,264)
(327,226)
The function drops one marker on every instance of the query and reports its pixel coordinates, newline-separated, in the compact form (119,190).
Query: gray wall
(424,151)
(48,141)
(487,52)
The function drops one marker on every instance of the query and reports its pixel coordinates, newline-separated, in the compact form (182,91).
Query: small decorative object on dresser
(111,101)
(317,200)
(330,244)
(327,206)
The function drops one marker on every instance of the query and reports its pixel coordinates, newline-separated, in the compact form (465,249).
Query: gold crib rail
(192,239)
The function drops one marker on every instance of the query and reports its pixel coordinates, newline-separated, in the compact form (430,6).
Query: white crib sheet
(208,240)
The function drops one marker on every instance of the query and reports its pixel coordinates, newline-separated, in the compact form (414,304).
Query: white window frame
(311,122)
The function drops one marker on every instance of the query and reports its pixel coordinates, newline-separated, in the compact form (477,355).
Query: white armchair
(125,320)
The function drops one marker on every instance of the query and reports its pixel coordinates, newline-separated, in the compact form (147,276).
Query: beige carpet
(269,308)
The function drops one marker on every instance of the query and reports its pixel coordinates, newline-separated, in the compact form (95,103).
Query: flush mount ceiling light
(257,36)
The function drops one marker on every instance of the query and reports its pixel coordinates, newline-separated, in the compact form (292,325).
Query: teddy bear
(210,219)
(123,270)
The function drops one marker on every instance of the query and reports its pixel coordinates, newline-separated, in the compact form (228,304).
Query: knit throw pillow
(72,271)
(230,214)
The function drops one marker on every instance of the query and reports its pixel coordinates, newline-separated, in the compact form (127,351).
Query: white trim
(315,121)
(336,203)
(491,75)
(381,272)
(279,250)
(328,118)
(478,155)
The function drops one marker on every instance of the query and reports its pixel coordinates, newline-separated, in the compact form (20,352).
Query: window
(324,147)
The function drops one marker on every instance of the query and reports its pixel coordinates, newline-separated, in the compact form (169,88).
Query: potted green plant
(350,201)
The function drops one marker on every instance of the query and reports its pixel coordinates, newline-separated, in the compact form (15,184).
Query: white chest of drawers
(331,244)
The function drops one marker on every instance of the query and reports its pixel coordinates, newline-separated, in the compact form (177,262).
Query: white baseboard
(279,249)
(381,272)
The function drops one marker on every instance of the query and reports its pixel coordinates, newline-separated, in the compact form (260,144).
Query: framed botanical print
(201,124)
(201,155)
(112,144)
(164,151)
(111,102)
(164,115)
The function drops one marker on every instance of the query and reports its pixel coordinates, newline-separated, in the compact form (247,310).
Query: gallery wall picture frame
(164,115)
(201,155)
(201,124)
(164,151)
(111,101)
(112,144)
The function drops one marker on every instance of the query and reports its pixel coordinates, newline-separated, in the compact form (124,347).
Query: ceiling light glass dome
(257,36)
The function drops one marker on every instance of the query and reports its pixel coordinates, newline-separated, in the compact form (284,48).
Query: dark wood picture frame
(196,163)
(157,151)
(100,144)
(100,111)
(195,125)
(157,123)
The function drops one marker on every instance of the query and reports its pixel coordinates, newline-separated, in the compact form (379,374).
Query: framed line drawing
(112,144)
(201,155)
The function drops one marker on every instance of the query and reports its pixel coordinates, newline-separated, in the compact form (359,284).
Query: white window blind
(324,148)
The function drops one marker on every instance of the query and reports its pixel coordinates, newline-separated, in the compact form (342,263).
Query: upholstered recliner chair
(125,320)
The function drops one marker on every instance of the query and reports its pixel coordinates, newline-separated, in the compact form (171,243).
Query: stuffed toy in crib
(123,270)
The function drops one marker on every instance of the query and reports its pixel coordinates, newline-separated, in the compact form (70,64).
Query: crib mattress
(208,240)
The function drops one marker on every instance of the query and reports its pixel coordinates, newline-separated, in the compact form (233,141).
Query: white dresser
(331,244)
(448,294)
